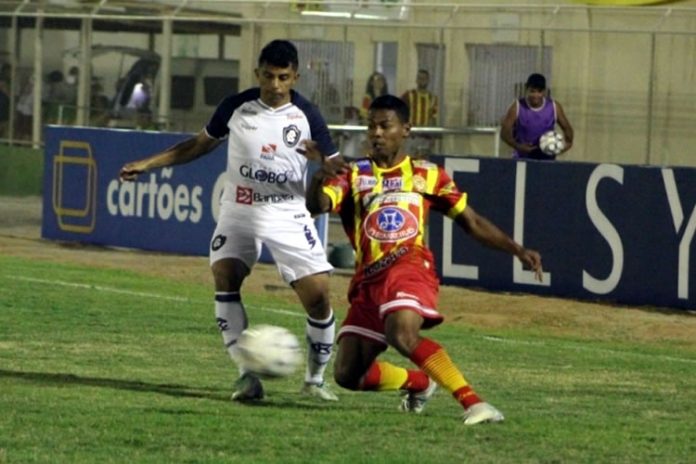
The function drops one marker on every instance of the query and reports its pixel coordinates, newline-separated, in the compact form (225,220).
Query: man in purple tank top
(530,117)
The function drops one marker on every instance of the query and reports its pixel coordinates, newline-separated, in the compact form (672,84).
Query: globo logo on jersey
(390,224)
(259,174)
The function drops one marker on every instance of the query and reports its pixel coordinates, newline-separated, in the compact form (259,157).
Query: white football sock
(231,320)
(320,338)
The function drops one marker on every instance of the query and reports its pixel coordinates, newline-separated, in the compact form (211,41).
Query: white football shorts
(290,236)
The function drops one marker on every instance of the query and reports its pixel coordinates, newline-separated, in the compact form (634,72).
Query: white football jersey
(264,169)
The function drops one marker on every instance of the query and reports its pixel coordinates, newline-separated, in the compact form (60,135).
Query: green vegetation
(106,366)
(21,170)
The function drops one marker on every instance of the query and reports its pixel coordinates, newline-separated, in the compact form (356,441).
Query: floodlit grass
(109,366)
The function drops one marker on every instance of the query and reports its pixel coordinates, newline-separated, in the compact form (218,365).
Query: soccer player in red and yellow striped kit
(383,201)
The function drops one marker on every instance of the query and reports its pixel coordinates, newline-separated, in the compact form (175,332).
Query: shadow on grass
(278,400)
(119,384)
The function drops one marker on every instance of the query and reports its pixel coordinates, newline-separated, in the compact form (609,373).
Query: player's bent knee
(404,342)
(229,274)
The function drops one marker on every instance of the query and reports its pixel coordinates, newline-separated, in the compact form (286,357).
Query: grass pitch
(104,365)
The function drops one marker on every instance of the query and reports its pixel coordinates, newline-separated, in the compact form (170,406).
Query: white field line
(158,296)
(568,346)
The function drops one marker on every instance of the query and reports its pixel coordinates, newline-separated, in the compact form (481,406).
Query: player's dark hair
(424,71)
(536,81)
(390,102)
(279,53)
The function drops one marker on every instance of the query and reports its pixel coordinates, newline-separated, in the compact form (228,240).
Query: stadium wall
(606,231)
(624,77)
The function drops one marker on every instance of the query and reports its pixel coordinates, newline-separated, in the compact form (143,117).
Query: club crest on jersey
(218,242)
(291,135)
(419,183)
(390,224)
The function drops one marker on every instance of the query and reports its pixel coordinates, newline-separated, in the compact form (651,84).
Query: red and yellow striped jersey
(422,106)
(383,210)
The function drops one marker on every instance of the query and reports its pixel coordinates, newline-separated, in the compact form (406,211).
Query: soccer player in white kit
(264,202)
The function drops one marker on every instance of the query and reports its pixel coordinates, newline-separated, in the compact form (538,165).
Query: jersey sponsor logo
(218,242)
(248,111)
(448,188)
(272,197)
(293,116)
(392,183)
(250,127)
(365,183)
(385,262)
(259,174)
(269,148)
(400,197)
(389,224)
(291,135)
(244,195)
(268,151)
(247,196)
(409,296)
(309,236)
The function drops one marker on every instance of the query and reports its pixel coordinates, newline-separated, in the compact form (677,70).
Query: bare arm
(486,233)
(183,152)
(565,125)
(507,128)
(317,201)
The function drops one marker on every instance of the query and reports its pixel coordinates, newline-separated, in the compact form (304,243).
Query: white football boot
(321,392)
(482,412)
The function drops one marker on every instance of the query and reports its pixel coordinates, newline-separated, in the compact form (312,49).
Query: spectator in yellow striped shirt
(423,107)
(421,102)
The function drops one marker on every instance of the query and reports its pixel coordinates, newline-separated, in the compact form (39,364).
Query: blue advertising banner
(170,210)
(606,232)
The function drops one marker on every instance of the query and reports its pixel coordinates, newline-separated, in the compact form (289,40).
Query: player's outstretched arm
(183,152)
(487,233)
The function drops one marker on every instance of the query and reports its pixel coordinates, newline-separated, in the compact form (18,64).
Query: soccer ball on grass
(552,143)
(269,351)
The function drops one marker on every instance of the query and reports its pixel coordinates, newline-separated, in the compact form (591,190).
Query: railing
(438,134)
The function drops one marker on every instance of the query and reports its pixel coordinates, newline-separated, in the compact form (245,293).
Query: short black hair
(390,102)
(279,53)
(536,81)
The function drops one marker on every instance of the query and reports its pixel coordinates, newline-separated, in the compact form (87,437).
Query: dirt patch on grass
(20,230)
